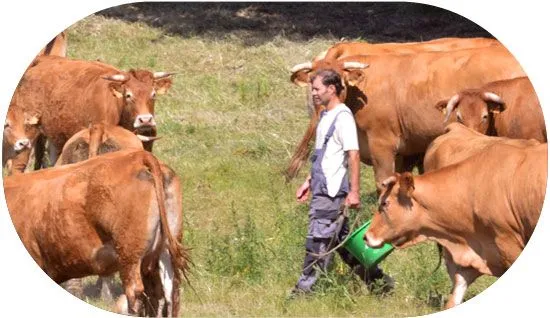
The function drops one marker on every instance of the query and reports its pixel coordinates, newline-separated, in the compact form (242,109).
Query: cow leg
(166,271)
(39,148)
(383,161)
(133,286)
(53,153)
(461,278)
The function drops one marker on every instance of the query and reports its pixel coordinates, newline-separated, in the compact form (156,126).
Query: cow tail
(440,254)
(179,255)
(302,151)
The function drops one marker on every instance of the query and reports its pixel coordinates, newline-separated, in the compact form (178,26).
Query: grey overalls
(322,223)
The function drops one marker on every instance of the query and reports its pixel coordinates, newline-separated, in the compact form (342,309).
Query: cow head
(137,91)
(20,131)
(474,109)
(398,216)
(350,71)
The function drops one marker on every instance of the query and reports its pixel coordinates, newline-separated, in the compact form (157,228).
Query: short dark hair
(329,77)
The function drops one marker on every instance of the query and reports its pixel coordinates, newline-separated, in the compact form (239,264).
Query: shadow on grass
(256,23)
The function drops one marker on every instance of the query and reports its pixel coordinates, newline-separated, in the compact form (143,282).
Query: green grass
(229,126)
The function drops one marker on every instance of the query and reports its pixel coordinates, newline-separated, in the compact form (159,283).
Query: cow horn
(147,138)
(450,106)
(116,78)
(301,67)
(355,65)
(492,97)
(159,75)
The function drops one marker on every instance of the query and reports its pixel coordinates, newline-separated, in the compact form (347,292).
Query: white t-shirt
(344,138)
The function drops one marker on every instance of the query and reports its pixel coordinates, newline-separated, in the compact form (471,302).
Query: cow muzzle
(21,144)
(372,241)
(145,121)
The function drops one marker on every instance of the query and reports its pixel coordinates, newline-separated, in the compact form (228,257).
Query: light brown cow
(110,213)
(346,49)
(97,140)
(20,132)
(482,210)
(508,108)
(72,94)
(393,99)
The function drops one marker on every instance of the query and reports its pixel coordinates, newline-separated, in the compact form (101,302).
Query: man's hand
(302,194)
(352,200)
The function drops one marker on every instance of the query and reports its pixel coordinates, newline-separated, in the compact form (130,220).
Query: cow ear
(354,77)
(117,89)
(406,184)
(300,78)
(162,85)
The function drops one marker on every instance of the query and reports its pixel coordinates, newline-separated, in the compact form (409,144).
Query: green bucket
(366,255)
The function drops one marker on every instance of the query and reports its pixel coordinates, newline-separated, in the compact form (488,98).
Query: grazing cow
(508,108)
(20,132)
(97,140)
(483,217)
(346,49)
(72,94)
(393,99)
(110,213)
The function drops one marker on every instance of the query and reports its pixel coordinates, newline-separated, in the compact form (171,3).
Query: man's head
(326,86)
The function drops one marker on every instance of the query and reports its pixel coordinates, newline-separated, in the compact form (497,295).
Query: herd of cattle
(434,103)
(120,211)
(480,197)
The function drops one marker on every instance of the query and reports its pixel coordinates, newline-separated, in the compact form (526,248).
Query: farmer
(336,151)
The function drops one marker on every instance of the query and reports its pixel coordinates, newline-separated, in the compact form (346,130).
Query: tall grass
(229,126)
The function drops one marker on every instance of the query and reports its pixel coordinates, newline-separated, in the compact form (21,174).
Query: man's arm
(353,199)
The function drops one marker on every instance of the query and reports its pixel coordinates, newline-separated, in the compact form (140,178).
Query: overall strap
(331,129)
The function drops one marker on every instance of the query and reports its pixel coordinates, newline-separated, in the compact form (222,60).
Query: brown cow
(21,129)
(72,94)
(482,210)
(96,140)
(393,99)
(20,132)
(508,108)
(110,213)
(346,49)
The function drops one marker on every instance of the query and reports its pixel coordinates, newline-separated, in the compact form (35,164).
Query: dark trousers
(322,237)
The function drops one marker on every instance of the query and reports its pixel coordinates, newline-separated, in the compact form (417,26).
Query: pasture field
(229,126)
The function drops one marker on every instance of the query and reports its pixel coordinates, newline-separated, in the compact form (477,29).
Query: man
(336,151)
